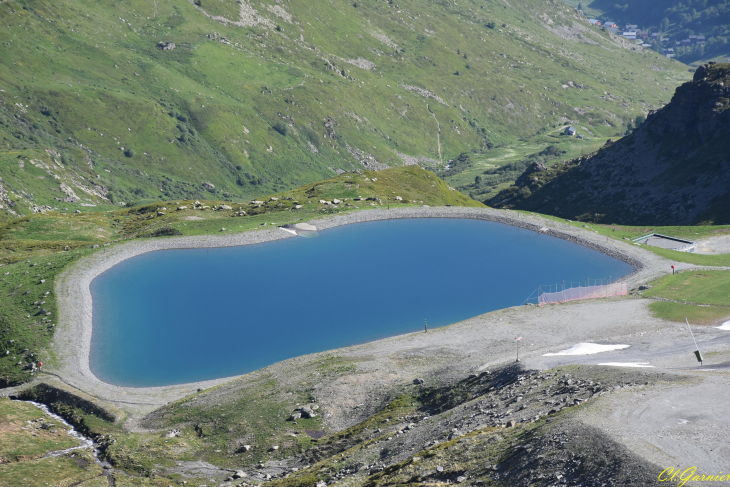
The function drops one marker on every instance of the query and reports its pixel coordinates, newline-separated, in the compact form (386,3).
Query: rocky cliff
(674,169)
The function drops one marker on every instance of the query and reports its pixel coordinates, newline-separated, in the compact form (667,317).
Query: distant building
(629,34)
(569,131)
(595,22)
(700,39)
(631,27)
(642,33)
(579,136)
(655,35)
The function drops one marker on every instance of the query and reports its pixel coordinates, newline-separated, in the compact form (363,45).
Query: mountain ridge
(672,170)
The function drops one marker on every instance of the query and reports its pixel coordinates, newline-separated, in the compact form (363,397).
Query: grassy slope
(709,289)
(90,72)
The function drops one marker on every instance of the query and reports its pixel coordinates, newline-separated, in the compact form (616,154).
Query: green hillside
(255,99)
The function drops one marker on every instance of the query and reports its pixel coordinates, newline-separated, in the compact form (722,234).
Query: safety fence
(588,289)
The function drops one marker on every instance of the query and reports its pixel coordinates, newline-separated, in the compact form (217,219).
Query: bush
(282,128)
(129,152)
(162,232)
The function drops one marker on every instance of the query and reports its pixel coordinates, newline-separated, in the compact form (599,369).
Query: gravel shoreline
(72,341)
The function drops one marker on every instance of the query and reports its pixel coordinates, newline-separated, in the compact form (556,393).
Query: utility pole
(697,349)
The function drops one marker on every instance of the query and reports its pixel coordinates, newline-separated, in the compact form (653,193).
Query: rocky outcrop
(674,169)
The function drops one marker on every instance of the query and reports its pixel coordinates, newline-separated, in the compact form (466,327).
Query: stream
(84,442)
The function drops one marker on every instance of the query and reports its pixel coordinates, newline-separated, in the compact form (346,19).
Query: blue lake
(179,316)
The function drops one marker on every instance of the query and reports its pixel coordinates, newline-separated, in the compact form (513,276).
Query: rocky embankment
(505,426)
(672,170)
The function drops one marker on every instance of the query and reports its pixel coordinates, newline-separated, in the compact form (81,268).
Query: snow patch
(627,364)
(724,326)
(587,349)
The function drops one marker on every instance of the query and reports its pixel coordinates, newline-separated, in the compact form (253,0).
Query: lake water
(179,316)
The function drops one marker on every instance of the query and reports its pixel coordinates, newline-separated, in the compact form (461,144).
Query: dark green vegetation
(702,296)
(672,170)
(674,19)
(93,111)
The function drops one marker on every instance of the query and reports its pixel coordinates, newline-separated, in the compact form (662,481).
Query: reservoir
(178,316)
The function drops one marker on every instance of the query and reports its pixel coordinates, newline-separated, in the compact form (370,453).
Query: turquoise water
(179,316)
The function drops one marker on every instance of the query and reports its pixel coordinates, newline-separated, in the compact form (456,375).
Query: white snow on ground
(587,349)
(627,364)
(724,326)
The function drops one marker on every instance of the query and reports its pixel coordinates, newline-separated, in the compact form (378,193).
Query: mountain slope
(674,169)
(258,98)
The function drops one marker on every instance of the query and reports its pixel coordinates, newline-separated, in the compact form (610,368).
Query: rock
(439,468)
(296,207)
(308,412)
(274,448)
(165,46)
(398,198)
(644,287)
(511,423)
(321,484)
(172,434)
(208,186)
(182,208)
(42,281)
(460,479)
(418,381)
(239,474)
(256,202)
(223,229)
(225,207)
(160,213)
(246,447)
(336,201)
(273,198)
(294,416)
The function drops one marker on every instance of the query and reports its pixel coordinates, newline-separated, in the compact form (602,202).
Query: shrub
(129,152)
(282,128)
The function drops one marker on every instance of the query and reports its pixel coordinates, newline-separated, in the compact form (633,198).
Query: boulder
(308,412)
(511,423)
(225,207)
(418,381)
(239,474)
(172,434)
(295,416)
(208,186)
(165,46)
(398,198)
(274,448)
